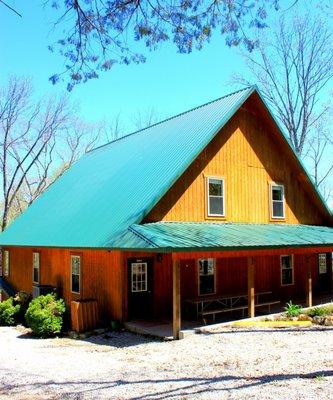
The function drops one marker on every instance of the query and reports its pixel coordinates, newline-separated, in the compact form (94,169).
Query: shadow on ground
(189,385)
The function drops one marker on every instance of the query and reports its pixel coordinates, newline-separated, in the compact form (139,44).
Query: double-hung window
(207,276)
(215,197)
(75,274)
(287,270)
(5,268)
(35,267)
(322,264)
(277,201)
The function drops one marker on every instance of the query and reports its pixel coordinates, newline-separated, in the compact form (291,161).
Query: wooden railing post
(309,282)
(176,320)
(250,286)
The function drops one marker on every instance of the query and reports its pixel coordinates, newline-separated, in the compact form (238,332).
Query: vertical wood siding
(101,275)
(104,276)
(249,155)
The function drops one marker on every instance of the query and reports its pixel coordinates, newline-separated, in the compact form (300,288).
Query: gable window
(322,264)
(6,263)
(215,194)
(277,201)
(75,274)
(287,270)
(35,267)
(206,276)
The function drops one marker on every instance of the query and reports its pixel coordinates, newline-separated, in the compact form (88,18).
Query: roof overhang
(188,236)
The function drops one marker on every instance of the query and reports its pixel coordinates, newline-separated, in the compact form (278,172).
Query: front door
(140,288)
(325,272)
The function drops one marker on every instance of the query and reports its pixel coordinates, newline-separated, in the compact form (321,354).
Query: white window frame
(35,267)
(292,269)
(216,178)
(271,186)
(322,256)
(6,263)
(72,258)
(214,266)
(145,281)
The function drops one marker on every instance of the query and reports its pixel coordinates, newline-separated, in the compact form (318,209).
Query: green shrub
(8,312)
(45,315)
(292,310)
(318,312)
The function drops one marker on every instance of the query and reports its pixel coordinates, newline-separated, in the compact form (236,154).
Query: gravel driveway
(233,364)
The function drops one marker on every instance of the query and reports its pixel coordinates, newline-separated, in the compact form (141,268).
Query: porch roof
(186,236)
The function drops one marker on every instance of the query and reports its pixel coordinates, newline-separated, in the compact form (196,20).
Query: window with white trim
(215,197)
(139,277)
(322,263)
(35,267)
(75,274)
(277,201)
(5,263)
(206,276)
(287,270)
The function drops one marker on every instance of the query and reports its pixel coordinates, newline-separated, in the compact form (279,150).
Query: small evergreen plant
(9,312)
(292,310)
(45,315)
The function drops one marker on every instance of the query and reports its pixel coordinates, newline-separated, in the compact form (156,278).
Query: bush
(318,312)
(8,312)
(292,310)
(45,315)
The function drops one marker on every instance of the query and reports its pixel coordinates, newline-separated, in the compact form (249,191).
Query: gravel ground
(232,364)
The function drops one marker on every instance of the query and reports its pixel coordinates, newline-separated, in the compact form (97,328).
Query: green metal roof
(179,236)
(116,185)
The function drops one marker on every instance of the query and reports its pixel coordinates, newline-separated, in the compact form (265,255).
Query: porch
(207,272)
(163,328)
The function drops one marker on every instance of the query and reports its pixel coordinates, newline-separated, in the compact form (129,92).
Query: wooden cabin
(211,206)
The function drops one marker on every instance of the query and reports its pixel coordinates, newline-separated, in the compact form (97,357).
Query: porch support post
(308,282)
(176,320)
(250,286)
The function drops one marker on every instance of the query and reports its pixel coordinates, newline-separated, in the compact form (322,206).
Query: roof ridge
(172,117)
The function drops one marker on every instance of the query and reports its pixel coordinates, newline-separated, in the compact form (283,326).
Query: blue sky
(169,82)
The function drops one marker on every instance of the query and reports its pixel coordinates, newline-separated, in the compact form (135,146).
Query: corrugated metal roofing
(115,186)
(178,236)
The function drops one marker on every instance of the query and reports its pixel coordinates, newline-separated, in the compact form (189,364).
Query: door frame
(150,282)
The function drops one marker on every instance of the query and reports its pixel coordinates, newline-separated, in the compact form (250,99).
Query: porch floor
(162,328)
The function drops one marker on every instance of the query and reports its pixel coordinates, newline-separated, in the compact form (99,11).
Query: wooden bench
(268,304)
(238,308)
(221,310)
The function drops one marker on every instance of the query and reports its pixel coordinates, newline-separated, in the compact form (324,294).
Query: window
(207,276)
(75,275)
(287,270)
(215,201)
(139,277)
(277,201)
(35,267)
(322,263)
(6,263)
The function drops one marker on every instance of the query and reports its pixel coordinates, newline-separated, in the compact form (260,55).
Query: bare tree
(292,70)
(144,118)
(319,150)
(28,132)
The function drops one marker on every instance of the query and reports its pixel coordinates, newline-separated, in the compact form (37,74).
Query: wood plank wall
(248,156)
(101,275)
(104,276)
